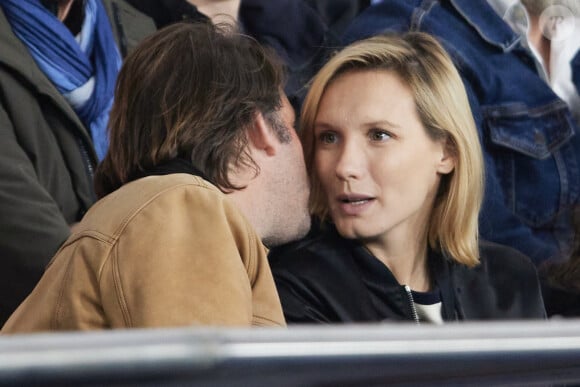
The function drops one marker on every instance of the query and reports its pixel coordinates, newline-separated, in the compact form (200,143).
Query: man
(58,66)
(530,141)
(203,163)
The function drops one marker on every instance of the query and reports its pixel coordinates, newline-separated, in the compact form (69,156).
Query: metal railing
(516,354)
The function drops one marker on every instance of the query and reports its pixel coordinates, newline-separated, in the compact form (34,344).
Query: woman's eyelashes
(379,135)
(329,137)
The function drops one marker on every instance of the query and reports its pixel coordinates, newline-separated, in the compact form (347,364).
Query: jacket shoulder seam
(132,214)
(120,295)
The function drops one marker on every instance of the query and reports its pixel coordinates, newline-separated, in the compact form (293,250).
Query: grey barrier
(518,353)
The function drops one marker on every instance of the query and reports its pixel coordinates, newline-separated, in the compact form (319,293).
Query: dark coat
(326,278)
(46,157)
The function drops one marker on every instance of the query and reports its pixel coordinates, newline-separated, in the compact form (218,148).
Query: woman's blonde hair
(443,108)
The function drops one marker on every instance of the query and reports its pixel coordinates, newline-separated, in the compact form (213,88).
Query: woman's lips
(353,205)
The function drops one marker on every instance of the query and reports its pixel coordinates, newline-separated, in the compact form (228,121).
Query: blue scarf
(84,70)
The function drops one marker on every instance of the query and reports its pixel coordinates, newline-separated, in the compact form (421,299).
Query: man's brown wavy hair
(190,90)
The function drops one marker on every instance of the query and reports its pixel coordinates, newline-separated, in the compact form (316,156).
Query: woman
(396,168)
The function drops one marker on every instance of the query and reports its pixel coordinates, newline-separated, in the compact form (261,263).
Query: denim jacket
(530,141)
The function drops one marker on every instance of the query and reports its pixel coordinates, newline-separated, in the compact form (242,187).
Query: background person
(561,281)
(303,32)
(549,29)
(58,66)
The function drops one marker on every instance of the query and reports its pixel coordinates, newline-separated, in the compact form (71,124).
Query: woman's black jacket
(326,278)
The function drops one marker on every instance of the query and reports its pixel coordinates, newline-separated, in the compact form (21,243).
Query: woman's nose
(350,163)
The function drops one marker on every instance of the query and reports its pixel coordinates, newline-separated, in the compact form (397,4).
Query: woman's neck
(406,260)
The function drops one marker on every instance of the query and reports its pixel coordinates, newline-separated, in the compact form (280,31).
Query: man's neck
(247,199)
(538,40)
(71,14)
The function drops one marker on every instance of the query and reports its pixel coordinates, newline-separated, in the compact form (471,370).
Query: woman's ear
(448,157)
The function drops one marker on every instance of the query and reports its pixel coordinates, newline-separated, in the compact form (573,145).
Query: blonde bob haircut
(443,108)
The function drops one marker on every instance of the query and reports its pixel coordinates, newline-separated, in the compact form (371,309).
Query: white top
(430,313)
(428,306)
(562,27)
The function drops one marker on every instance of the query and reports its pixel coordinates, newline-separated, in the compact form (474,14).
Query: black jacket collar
(326,278)
(177,165)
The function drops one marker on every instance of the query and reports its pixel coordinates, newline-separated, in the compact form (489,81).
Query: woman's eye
(379,135)
(327,138)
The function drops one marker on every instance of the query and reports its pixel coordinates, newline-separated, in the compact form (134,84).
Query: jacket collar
(489,25)
(502,7)
(441,268)
(378,275)
(176,165)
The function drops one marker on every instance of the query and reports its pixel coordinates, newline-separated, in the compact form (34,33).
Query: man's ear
(448,158)
(261,136)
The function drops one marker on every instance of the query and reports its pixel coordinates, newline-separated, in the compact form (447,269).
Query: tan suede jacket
(162,251)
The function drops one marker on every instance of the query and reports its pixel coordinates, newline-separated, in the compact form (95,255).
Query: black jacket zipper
(412,305)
